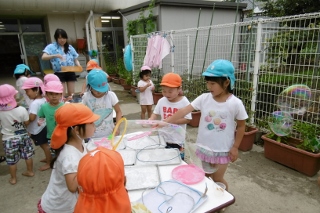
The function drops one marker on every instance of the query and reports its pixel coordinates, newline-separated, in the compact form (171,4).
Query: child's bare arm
(26,123)
(233,153)
(32,117)
(180,114)
(153,116)
(142,89)
(72,182)
(118,112)
(180,121)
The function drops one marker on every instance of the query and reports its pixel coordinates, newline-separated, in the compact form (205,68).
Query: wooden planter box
(195,119)
(126,86)
(156,97)
(116,80)
(307,163)
(122,81)
(133,91)
(248,139)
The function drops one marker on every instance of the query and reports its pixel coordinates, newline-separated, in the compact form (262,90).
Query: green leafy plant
(156,75)
(110,62)
(143,24)
(193,87)
(310,141)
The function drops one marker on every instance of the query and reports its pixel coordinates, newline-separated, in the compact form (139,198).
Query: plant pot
(133,91)
(248,139)
(126,86)
(307,163)
(156,97)
(195,119)
(116,80)
(122,81)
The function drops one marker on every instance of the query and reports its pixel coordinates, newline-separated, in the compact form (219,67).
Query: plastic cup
(41,121)
(64,58)
(219,189)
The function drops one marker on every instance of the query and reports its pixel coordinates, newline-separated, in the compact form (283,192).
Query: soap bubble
(281,123)
(294,99)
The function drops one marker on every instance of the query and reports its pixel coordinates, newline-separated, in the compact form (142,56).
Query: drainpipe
(87,30)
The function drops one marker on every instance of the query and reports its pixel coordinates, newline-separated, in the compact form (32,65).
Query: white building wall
(73,24)
(176,18)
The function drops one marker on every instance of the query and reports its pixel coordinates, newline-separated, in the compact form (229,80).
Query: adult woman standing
(60,53)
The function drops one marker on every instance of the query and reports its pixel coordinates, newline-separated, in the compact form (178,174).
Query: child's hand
(233,154)
(40,121)
(149,84)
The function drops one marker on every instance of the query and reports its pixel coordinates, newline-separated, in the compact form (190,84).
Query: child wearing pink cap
(146,87)
(16,141)
(35,90)
(54,90)
(50,77)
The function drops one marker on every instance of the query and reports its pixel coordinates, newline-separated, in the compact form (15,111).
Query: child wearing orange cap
(170,103)
(16,141)
(54,90)
(104,189)
(92,64)
(146,87)
(75,122)
(35,90)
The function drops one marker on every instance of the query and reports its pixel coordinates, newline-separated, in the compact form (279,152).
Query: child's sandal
(2,158)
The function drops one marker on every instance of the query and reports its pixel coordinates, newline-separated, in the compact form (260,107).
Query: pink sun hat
(50,77)
(54,86)
(33,82)
(7,99)
(145,67)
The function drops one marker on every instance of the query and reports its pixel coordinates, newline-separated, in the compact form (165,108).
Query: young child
(50,77)
(16,141)
(146,87)
(219,108)
(171,103)
(54,90)
(101,101)
(74,123)
(92,64)
(35,90)
(22,73)
(104,189)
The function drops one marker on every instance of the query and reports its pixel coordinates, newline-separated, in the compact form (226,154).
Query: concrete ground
(258,184)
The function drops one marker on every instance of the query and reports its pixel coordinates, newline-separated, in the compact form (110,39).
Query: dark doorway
(9,54)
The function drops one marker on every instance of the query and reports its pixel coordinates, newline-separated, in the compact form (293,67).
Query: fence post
(256,70)
(172,52)
(132,59)
(188,54)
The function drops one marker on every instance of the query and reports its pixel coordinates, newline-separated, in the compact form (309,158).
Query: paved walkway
(258,184)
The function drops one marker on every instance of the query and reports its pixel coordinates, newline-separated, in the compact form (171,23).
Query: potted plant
(192,88)
(111,65)
(302,154)
(244,90)
(157,94)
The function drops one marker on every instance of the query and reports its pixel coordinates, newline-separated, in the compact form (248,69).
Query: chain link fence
(269,55)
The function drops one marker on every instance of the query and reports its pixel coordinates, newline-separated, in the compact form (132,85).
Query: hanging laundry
(158,48)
